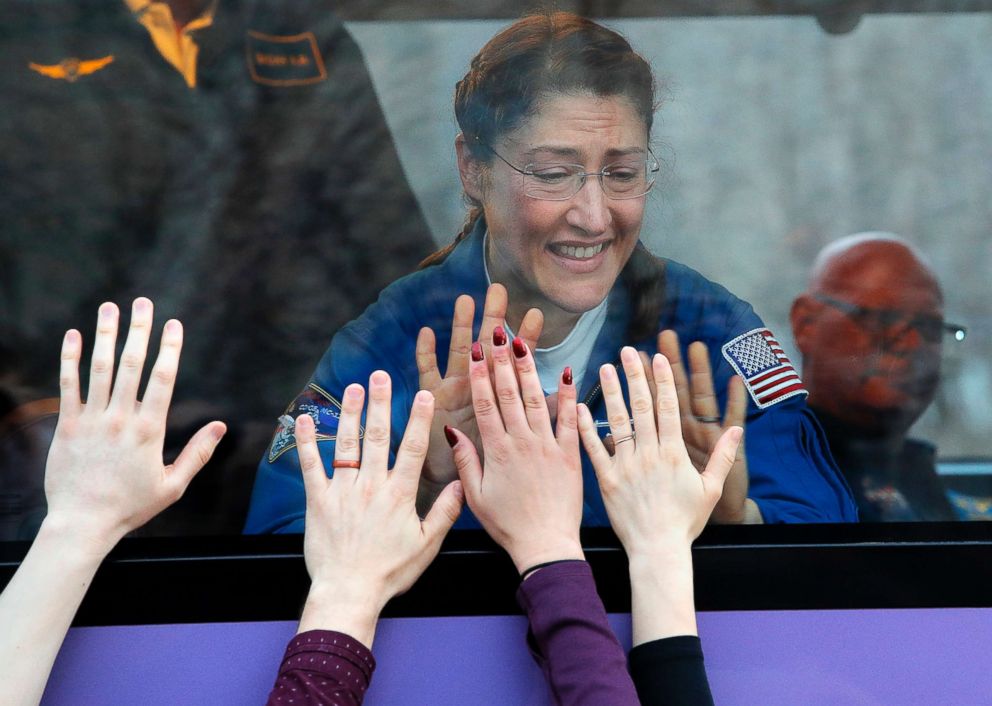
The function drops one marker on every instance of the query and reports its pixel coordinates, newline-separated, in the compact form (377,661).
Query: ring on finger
(707,419)
(619,440)
(336,463)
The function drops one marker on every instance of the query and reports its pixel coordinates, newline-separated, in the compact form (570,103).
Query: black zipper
(597,389)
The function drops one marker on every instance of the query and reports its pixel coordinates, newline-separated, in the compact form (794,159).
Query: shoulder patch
(321,406)
(284,60)
(765,368)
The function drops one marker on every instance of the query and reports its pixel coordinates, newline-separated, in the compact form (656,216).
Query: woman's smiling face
(564,253)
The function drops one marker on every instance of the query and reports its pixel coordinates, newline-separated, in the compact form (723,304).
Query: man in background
(219,156)
(870,328)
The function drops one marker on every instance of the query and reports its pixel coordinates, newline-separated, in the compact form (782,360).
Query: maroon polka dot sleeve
(323,667)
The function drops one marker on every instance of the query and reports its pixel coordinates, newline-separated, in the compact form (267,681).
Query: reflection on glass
(562,90)
(235,165)
(870,329)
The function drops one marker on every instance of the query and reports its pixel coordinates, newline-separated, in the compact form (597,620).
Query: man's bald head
(868,328)
(874,261)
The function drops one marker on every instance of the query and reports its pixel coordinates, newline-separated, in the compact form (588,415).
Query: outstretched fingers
(375,448)
(616,413)
(467,463)
(736,412)
(416,439)
(430,375)
(161,382)
(487,415)
(460,348)
(668,346)
(704,402)
(531,392)
(531,327)
(347,441)
(721,461)
(641,404)
(443,513)
(132,362)
(493,313)
(567,418)
(602,462)
(70,404)
(195,455)
(506,384)
(315,478)
(666,402)
(102,363)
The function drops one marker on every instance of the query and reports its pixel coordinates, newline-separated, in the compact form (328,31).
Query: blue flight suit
(792,475)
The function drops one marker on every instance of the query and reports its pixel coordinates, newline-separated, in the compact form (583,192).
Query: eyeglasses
(895,324)
(627,179)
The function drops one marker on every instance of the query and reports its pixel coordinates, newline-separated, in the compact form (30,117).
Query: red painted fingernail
(477,352)
(449,434)
(566,375)
(499,336)
(519,347)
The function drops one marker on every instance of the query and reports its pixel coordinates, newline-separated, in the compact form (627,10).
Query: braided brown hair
(542,54)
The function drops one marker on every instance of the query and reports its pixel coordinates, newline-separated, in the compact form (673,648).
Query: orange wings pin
(71,69)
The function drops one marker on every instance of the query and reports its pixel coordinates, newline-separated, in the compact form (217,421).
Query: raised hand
(528,492)
(651,488)
(364,541)
(452,391)
(105,477)
(657,501)
(702,426)
(105,474)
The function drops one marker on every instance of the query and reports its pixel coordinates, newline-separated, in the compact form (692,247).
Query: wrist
(77,539)
(525,558)
(336,607)
(662,601)
(662,560)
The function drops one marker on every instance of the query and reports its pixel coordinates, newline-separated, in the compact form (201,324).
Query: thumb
(531,327)
(445,511)
(467,461)
(722,459)
(196,453)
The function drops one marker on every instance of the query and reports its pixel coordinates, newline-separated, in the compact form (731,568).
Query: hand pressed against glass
(702,426)
(105,475)
(365,542)
(651,487)
(452,392)
(528,492)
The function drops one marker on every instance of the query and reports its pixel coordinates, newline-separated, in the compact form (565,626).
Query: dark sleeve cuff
(330,665)
(671,672)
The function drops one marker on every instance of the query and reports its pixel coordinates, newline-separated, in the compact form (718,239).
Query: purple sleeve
(571,639)
(323,667)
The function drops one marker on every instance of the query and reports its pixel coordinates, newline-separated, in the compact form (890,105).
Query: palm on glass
(452,391)
(364,541)
(105,474)
(528,492)
(650,485)
(702,426)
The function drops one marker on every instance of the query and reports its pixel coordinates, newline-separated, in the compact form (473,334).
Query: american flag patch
(765,368)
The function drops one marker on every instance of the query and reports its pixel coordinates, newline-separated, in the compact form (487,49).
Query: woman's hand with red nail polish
(528,492)
(452,391)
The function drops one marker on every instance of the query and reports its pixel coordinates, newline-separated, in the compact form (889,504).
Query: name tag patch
(292,60)
(325,411)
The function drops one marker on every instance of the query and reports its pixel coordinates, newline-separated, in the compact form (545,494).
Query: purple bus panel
(911,657)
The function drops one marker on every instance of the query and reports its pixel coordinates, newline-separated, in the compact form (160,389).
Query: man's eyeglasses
(894,324)
(629,178)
